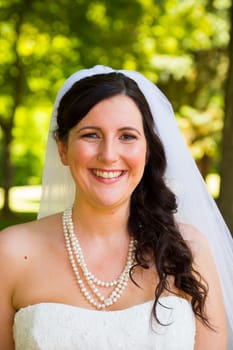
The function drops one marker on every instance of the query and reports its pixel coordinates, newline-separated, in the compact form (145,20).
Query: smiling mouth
(107,174)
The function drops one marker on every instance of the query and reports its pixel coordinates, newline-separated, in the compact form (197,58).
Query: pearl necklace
(92,293)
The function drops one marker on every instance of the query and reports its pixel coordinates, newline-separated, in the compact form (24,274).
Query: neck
(99,222)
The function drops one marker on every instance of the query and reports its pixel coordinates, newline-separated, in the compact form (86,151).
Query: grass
(24,204)
(16,218)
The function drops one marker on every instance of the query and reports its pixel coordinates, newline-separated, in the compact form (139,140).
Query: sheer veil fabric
(195,205)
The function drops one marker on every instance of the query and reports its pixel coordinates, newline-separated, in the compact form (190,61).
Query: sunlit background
(181,45)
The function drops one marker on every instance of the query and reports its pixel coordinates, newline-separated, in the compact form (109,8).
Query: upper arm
(7,282)
(203,262)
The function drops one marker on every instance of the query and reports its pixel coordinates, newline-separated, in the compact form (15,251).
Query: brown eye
(128,137)
(90,135)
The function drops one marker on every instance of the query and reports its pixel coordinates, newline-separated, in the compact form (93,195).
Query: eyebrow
(125,128)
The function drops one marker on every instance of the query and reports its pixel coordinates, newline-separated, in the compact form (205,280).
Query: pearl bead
(75,255)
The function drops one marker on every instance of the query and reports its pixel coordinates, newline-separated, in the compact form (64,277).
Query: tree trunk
(226,190)
(7,171)
(8,124)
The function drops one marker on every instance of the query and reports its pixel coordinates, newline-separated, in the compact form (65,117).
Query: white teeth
(107,174)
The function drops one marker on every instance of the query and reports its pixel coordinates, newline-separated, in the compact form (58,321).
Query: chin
(112,204)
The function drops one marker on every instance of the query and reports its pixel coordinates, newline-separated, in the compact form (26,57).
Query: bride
(129,250)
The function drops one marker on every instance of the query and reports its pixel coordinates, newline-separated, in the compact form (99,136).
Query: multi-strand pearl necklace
(92,293)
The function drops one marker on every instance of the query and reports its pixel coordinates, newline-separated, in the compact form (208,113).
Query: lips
(108,174)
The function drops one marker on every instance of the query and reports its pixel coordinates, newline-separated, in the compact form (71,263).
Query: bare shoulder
(195,239)
(202,256)
(189,232)
(204,263)
(16,240)
(13,239)
(19,247)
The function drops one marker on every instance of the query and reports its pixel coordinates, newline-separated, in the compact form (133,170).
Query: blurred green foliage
(179,44)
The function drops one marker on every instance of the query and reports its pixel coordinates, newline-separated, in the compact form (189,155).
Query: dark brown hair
(153,205)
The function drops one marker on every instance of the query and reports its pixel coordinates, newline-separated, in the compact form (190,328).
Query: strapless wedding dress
(54,326)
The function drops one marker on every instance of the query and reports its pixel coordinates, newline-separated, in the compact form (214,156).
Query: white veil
(195,205)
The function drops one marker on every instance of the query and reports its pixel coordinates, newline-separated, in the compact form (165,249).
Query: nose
(108,151)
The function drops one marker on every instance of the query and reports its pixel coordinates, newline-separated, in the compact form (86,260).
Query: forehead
(119,109)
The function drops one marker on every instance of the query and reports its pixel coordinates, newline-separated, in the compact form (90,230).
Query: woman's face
(106,152)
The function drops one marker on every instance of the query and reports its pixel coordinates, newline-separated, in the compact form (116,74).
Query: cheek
(80,154)
(137,157)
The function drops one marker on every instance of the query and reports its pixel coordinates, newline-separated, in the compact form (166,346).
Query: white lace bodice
(53,326)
